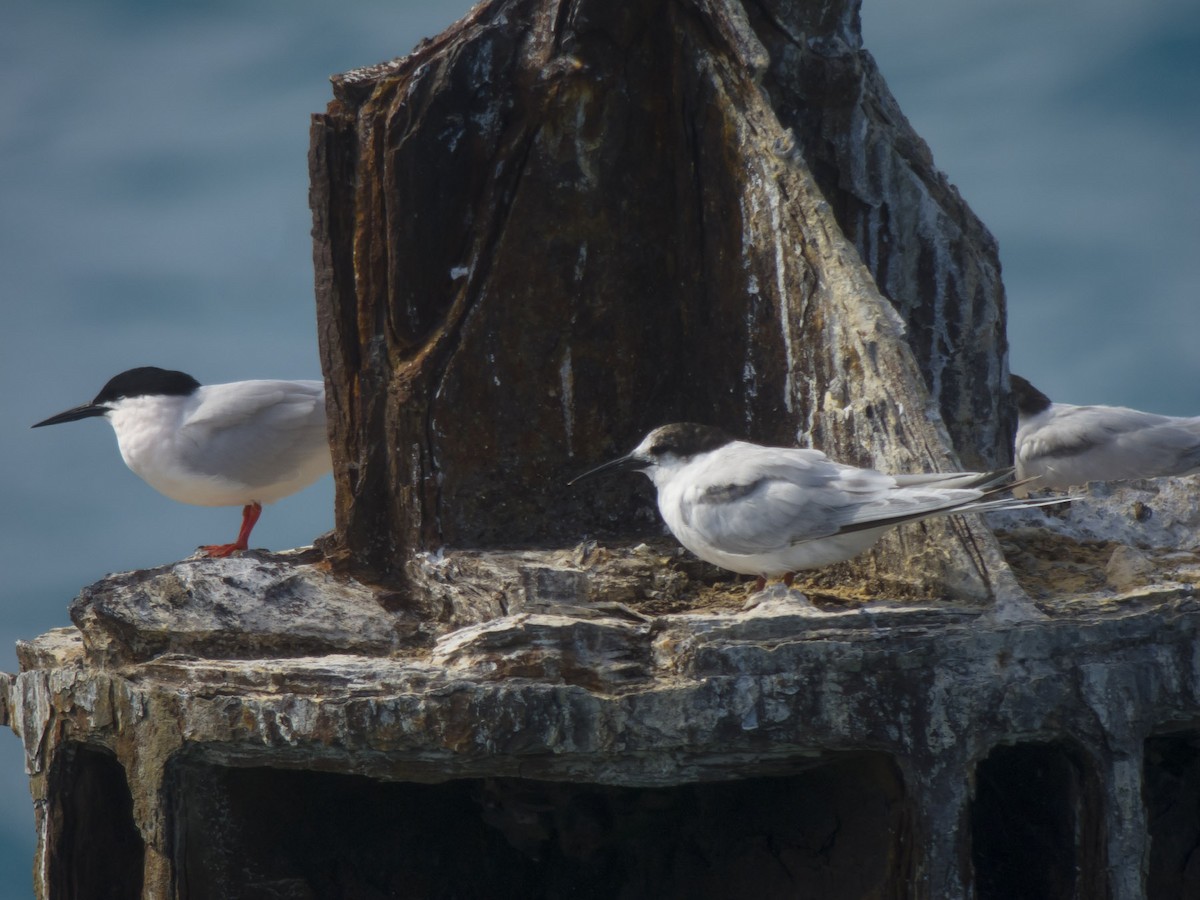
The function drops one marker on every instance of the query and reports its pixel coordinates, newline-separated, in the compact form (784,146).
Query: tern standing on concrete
(771,511)
(240,444)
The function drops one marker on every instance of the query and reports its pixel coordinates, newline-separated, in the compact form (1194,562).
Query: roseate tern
(1059,445)
(240,444)
(770,511)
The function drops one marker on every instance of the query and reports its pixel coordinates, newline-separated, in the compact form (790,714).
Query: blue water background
(153,211)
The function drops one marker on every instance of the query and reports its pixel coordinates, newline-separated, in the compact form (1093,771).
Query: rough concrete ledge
(602,694)
(534,691)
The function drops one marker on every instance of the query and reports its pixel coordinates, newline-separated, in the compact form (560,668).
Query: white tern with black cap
(1059,445)
(771,511)
(245,443)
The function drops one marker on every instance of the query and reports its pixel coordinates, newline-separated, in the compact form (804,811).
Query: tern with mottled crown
(770,511)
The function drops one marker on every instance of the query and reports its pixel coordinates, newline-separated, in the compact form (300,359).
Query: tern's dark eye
(658,448)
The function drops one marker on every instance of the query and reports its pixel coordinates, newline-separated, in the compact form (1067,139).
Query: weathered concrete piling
(557,226)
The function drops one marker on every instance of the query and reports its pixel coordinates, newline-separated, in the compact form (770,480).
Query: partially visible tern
(1063,445)
(240,444)
(770,511)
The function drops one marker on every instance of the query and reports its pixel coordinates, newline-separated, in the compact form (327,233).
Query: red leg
(788,578)
(759,583)
(250,514)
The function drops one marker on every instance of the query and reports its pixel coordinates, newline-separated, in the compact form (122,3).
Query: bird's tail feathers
(977,480)
(979,504)
(1013,503)
(1015,488)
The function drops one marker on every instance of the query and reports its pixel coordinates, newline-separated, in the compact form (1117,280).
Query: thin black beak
(85,411)
(620,464)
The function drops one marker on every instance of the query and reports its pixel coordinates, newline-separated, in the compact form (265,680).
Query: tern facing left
(771,511)
(240,444)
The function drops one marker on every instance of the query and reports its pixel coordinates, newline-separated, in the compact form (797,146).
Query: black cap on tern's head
(147,381)
(144,381)
(681,440)
(1030,401)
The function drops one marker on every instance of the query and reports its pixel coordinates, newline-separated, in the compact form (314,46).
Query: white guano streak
(771,190)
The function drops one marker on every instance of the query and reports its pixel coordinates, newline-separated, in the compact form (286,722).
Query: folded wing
(1102,443)
(765,498)
(259,432)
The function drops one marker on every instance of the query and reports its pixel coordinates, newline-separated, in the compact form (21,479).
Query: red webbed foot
(250,514)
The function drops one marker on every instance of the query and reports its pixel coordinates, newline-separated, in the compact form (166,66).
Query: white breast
(226,445)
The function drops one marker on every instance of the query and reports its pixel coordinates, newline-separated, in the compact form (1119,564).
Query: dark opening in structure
(836,831)
(1036,831)
(1171,792)
(95,850)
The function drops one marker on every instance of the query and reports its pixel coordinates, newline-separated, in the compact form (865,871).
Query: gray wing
(760,501)
(955,479)
(1112,442)
(257,432)
(1071,430)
